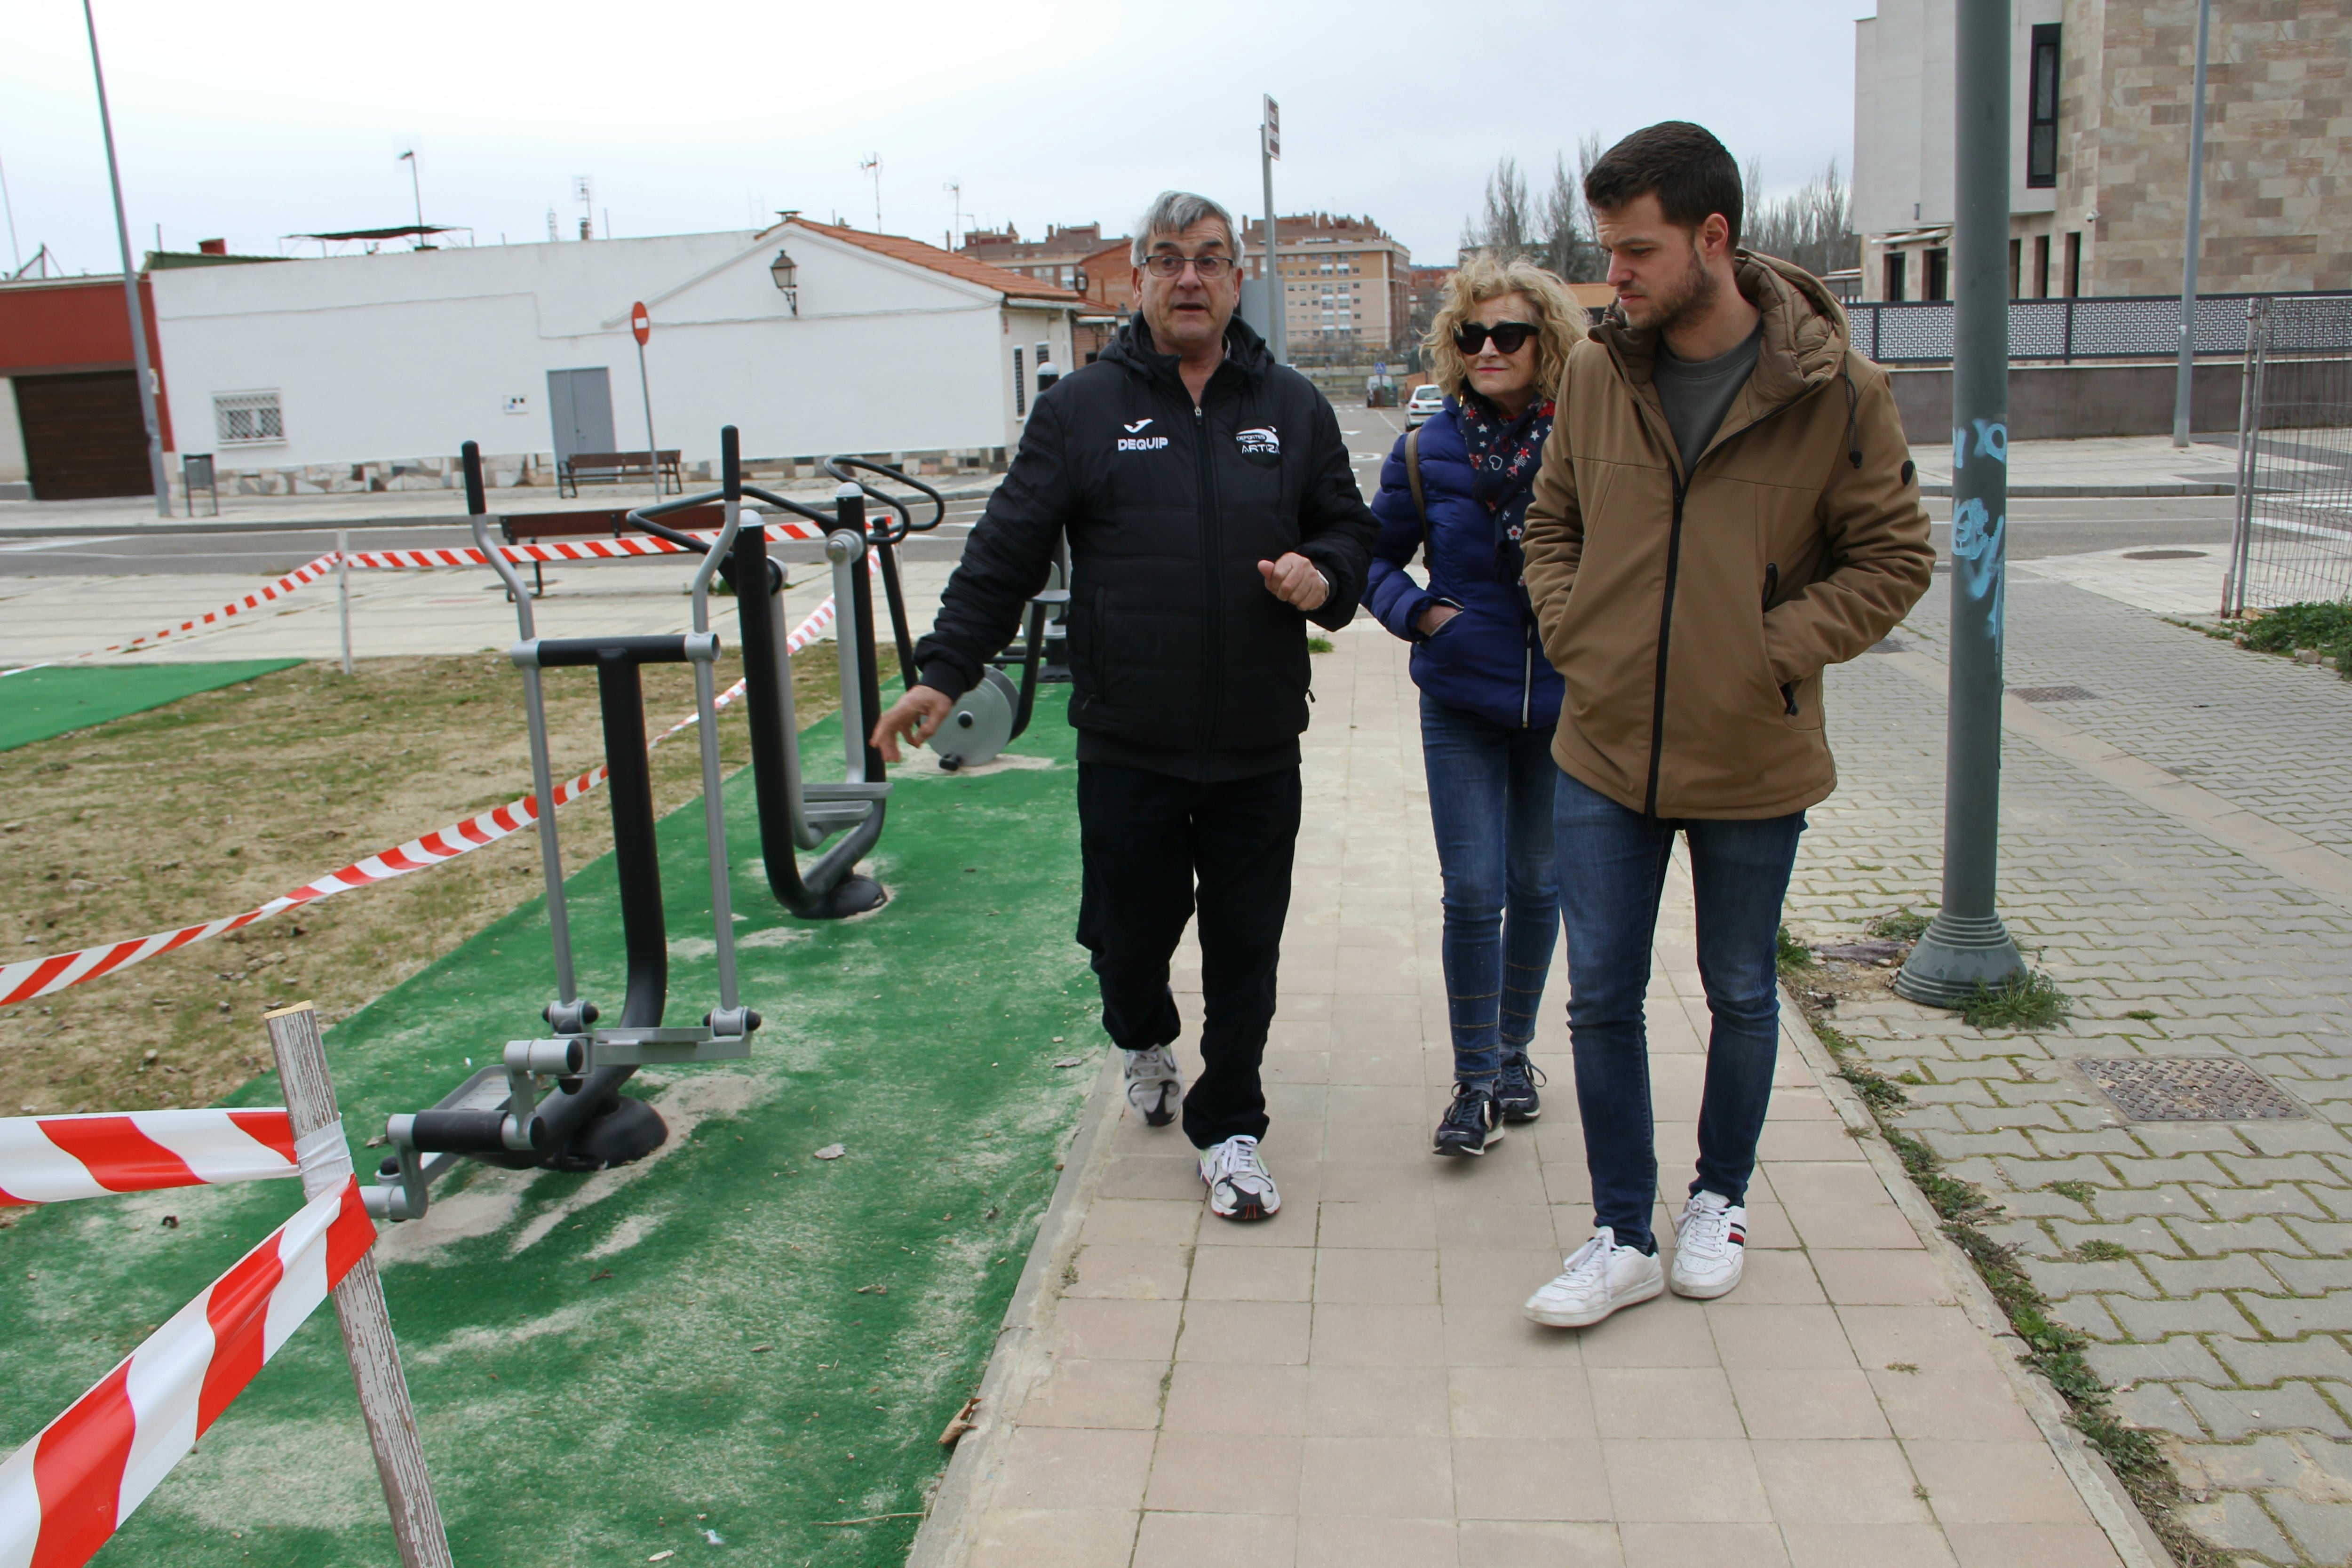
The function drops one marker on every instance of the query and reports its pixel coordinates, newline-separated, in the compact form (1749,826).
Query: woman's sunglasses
(1509,336)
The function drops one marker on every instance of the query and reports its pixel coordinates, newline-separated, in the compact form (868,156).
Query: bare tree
(1812,227)
(1505,227)
(1553,229)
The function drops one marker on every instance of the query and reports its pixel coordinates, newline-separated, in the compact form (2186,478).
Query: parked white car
(1426,399)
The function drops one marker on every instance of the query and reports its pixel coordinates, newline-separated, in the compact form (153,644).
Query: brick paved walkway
(1353,1383)
(2225,1319)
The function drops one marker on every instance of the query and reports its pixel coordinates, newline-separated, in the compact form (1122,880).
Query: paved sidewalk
(2175,855)
(1352,1381)
(2106,465)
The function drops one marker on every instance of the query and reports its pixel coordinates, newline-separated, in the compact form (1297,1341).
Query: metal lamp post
(2190,241)
(1277,307)
(138,361)
(1967,945)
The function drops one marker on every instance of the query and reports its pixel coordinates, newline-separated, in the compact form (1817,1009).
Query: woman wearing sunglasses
(1455,490)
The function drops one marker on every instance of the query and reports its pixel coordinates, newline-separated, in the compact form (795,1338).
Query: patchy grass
(1318,645)
(2029,1001)
(2103,1252)
(2081,1192)
(1902,925)
(213,804)
(2324,629)
(2143,1015)
(1790,955)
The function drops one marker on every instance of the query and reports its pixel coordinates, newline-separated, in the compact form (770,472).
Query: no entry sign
(641,322)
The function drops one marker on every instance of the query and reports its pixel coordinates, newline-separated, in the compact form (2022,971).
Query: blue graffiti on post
(1978,532)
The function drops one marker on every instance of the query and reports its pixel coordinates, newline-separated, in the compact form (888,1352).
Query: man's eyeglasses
(1208,269)
(1509,337)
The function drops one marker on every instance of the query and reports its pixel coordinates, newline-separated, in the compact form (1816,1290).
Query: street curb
(1020,1360)
(2094,493)
(159,529)
(2126,1528)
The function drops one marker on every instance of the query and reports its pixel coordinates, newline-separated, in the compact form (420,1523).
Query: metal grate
(2189,1088)
(2165,554)
(1889,645)
(2054,693)
(247,419)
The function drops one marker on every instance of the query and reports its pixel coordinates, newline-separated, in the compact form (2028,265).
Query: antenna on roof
(872,164)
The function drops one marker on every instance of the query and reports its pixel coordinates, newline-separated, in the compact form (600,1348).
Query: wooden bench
(619,468)
(601,522)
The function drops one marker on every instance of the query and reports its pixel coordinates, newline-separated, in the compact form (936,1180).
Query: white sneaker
(1710,1245)
(1239,1185)
(1153,1086)
(1599,1276)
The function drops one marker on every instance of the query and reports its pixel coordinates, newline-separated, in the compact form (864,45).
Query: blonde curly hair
(1558,321)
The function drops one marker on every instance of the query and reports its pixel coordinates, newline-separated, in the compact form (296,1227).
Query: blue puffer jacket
(1486,660)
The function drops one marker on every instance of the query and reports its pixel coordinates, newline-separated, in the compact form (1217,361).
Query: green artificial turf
(731,1336)
(37,703)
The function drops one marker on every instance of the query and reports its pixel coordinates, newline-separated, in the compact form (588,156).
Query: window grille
(247,419)
(1020,388)
(2041,111)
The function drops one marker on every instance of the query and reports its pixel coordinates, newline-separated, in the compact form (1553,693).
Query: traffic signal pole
(1966,944)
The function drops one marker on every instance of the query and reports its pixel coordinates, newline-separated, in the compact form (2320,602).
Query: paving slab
(1353,1380)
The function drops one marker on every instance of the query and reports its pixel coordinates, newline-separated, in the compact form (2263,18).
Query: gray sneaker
(1240,1186)
(1153,1086)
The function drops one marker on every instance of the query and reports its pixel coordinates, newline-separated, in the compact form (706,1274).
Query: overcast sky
(264,117)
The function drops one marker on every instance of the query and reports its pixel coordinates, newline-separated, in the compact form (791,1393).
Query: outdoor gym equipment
(555,1100)
(994,712)
(796,815)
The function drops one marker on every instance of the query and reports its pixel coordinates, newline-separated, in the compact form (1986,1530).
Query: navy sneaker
(1472,1122)
(1515,1091)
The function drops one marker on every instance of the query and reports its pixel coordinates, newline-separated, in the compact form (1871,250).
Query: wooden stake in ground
(360,1305)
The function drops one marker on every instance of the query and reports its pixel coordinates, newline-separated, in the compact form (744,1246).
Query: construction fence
(2293,543)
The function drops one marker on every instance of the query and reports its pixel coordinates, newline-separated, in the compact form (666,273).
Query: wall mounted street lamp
(787,276)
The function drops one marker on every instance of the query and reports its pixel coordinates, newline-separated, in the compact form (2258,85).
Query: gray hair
(1173,212)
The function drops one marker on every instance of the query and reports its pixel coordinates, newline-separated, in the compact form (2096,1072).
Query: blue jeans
(1613,865)
(1490,800)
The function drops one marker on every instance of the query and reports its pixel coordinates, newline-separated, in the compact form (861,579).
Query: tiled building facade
(2100,102)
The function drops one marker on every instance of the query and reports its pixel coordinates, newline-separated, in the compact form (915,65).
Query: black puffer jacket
(1181,658)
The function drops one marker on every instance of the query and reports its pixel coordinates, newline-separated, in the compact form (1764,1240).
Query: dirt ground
(220,801)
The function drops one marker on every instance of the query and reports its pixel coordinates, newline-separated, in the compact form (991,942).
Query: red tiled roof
(916,253)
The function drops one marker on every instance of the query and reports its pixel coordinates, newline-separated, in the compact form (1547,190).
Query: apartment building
(1060,259)
(1345,282)
(2100,100)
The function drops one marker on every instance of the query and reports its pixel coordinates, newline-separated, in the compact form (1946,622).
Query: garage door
(84,434)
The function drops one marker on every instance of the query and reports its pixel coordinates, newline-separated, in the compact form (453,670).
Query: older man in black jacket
(1211,512)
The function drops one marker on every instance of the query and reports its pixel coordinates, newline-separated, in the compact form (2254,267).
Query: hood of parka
(1133,350)
(1805,330)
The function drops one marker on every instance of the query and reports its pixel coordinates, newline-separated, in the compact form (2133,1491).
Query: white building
(1903,125)
(369,372)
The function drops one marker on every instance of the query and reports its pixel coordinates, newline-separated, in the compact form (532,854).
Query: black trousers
(1157,849)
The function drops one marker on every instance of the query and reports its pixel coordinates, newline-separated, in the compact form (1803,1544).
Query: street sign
(641,322)
(1381,367)
(1273,128)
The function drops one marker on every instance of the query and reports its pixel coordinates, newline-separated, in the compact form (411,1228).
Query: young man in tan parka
(1726,506)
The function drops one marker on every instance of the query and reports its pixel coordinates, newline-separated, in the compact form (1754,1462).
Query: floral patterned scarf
(1503,456)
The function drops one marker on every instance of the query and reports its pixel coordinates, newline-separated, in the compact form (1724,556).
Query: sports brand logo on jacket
(1260,445)
(1141,443)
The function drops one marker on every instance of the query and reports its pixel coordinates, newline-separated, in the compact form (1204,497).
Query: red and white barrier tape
(63,1493)
(301,576)
(310,572)
(50,1159)
(32,977)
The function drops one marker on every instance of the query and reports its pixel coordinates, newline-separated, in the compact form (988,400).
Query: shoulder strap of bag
(1412,478)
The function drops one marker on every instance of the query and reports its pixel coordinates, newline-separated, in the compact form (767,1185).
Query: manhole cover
(2189,1088)
(2164,555)
(2053,693)
(1889,645)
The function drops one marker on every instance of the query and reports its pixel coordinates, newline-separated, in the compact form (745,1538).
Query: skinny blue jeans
(1612,867)
(1490,801)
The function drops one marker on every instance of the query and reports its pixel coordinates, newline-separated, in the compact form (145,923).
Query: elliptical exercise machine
(555,1100)
(796,815)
